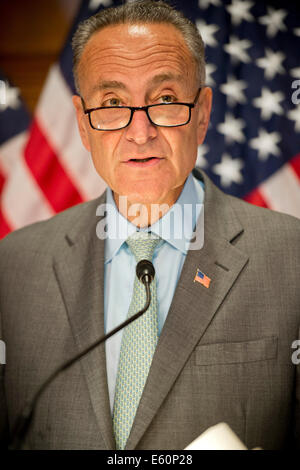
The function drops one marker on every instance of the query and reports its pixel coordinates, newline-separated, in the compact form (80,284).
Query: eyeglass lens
(116,118)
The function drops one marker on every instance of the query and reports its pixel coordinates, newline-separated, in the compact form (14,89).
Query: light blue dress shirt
(176,229)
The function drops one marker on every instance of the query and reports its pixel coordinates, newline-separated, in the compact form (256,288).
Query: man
(226,314)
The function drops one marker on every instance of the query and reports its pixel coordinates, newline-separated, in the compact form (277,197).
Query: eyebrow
(155,81)
(164,77)
(106,84)
(160,79)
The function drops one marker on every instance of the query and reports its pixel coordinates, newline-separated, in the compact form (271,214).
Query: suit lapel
(193,306)
(79,269)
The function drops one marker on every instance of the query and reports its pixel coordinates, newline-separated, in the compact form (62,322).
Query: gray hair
(143,11)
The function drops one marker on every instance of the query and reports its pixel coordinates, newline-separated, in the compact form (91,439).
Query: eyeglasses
(113,118)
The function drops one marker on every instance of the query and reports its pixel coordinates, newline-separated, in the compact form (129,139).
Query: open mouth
(142,159)
(143,162)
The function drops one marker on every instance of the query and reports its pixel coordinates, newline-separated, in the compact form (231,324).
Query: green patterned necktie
(138,344)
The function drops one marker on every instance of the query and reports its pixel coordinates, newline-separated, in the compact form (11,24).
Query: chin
(146,193)
(145,198)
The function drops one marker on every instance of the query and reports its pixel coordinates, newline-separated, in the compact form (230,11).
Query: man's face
(137,65)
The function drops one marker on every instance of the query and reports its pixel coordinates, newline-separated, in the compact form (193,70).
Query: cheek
(183,143)
(102,152)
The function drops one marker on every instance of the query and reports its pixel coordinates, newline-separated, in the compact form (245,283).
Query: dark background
(32,33)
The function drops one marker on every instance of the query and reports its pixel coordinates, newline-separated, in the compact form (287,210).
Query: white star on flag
(297,31)
(232,128)
(236,48)
(271,63)
(209,70)
(233,89)
(239,11)
(205,3)
(9,97)
(268,103)
(229,170)
(266,144)
(274,21)
(295,72)
(94,4)
(294,115)
(202,150)
(207,32)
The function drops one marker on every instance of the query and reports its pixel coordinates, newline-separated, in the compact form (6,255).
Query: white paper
(218,437)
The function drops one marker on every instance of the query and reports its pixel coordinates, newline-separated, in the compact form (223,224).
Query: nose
(140,130)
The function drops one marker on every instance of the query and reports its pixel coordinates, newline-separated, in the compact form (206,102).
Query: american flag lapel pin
(202,278)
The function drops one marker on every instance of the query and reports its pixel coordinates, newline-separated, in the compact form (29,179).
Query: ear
(205,101)
(81,121)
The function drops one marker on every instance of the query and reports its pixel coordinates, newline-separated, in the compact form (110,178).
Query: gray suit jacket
(224,353)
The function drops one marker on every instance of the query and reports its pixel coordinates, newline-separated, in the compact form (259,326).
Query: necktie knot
(142,245)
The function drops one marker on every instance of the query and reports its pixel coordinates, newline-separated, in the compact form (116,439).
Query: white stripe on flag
(56,117)
(282,191)
(22,201)
(11,150)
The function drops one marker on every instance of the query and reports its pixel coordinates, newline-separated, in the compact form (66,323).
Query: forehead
(135,52)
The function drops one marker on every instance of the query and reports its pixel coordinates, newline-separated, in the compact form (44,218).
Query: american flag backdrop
(252,149)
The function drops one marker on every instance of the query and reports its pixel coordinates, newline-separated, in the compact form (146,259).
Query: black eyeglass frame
(141,108)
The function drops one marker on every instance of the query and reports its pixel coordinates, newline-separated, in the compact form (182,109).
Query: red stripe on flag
(295,164)
(4,227)
(256,198)
(48,172)
(2,181)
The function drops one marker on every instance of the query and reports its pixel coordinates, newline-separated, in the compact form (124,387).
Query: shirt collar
(175,227)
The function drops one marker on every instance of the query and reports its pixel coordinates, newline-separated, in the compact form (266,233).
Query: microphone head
(145,271)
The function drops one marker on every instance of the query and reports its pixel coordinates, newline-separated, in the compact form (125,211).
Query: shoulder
(272,242)
(266,222)
(48,235)
(257,223)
